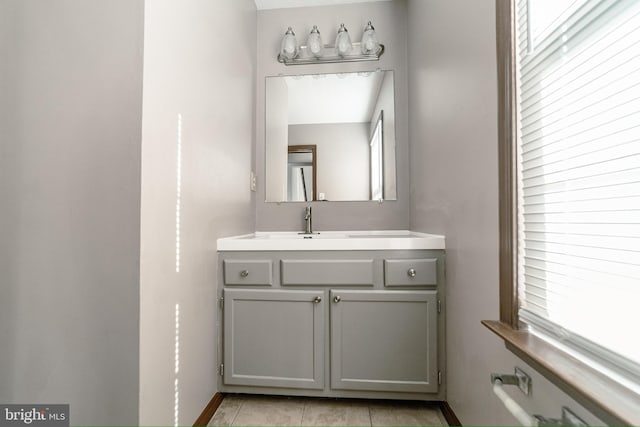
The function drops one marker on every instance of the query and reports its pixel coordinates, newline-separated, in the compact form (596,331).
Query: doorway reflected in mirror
(301,173)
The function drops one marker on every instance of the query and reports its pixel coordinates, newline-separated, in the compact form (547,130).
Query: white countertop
(332,241)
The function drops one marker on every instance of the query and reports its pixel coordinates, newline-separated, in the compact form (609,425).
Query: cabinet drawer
(410,272)
(243,272)
(358,272)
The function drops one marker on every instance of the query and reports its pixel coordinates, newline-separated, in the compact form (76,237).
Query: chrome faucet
(308,229)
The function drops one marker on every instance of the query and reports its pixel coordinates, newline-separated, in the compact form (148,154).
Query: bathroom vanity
(334,314)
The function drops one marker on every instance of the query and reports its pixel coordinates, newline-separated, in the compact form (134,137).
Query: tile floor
(249,410)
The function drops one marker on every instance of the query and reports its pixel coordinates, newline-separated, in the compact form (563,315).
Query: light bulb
(343,41)
(369,43)
(315,42)
(289,48)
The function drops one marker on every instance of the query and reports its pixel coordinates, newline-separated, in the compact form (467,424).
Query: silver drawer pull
(337,298)
(244,273)
(317,299)
(411,272)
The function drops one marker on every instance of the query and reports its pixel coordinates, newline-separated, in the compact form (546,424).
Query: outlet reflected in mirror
(348,119)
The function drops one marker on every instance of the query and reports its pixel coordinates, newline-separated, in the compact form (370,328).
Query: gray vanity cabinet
(384,340)
(274,338)
(355,324)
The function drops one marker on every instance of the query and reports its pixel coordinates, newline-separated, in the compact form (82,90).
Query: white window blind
(579,173)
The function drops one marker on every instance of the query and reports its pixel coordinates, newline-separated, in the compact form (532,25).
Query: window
(578,159)
(570,175)
(377,184)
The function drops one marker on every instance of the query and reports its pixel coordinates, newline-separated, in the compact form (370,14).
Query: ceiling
(281,4)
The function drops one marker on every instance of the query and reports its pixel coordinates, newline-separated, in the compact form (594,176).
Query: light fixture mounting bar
(305,57)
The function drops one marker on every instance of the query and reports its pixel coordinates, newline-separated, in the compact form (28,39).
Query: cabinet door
(274,338)
(384,340)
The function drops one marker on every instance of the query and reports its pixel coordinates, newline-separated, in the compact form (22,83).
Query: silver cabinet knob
(411,272)
(337,298)
(244,273)
(317,299)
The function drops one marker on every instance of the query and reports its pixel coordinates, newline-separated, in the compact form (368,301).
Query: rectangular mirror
(330,137)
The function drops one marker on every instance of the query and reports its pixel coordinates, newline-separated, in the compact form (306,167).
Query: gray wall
(70,105)
(386,103)
(342,157)
(389,19)
(454,191)
(276,139)
(200,65)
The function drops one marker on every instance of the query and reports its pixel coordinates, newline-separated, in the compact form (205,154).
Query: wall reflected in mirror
(330,137)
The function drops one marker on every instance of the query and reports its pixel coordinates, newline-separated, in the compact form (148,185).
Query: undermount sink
(332,240)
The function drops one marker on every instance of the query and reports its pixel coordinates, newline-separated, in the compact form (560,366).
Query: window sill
(605,398)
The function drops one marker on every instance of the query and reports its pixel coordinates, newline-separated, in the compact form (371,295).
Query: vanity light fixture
(314,52)
(315,42)
(369,43)
(289,48)
(343,41)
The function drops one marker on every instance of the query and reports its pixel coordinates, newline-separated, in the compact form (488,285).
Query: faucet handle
(307,219)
